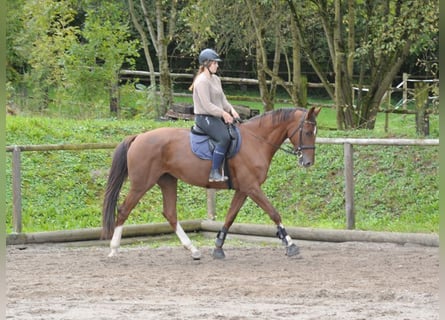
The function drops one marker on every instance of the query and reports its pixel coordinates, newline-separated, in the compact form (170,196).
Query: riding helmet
(208,55)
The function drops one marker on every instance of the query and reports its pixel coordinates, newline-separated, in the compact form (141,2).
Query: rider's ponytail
(200,70)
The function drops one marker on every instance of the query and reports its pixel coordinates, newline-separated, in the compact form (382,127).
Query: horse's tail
(116,178)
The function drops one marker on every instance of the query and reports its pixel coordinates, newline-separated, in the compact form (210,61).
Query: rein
(291,150)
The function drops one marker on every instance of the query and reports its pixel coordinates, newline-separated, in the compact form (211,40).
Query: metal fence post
(16,190)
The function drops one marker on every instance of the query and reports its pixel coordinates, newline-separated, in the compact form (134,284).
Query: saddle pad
(200,145)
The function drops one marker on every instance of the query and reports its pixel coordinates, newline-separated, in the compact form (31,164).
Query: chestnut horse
(162,156)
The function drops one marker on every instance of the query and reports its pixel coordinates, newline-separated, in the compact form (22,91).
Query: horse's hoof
(113,253)
(196,255)
(218,253)
(292,250)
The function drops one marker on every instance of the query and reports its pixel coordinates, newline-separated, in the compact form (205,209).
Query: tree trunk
(164,78)
(379,86)
(343,85)
(351,37)
(266,97)
(304,47)
(165,86)
(299,83)
(114,96)
(421,91)
(145,42)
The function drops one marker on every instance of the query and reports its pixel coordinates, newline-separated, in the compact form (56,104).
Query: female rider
(212,110)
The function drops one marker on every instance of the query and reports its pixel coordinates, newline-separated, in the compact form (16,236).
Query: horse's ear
(313,111)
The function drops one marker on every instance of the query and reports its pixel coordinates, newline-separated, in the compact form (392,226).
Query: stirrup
(215,176)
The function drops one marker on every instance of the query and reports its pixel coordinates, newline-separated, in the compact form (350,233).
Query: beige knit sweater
(209,97)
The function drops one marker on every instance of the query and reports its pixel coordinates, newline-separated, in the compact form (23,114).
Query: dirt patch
(330,281)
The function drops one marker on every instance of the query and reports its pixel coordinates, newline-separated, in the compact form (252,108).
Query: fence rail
(348,144)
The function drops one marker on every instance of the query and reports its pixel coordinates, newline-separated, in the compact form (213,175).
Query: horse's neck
(273,135)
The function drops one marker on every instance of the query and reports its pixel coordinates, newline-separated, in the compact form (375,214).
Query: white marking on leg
(186,242)
(288,238)
(115,241)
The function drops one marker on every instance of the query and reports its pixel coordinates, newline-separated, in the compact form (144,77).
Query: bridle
(298,151)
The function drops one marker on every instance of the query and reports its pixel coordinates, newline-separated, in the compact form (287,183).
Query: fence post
(405,90)
(16,190)
(349,186)
(387,109)
(211,204)
(421,92)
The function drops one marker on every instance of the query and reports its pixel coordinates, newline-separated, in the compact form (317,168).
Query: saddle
(202,145)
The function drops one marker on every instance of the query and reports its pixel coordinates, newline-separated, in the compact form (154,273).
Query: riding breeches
(216,129)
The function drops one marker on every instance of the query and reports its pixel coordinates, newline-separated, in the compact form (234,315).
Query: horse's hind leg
(133,197)
(168,186)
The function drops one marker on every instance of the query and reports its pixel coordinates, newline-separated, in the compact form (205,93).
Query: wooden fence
(386,106)
(349,163)
(347,143)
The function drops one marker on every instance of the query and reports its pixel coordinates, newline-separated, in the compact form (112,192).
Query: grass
(396,188)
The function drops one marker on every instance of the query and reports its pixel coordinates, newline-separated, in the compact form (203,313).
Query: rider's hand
(227,117)
(235,114)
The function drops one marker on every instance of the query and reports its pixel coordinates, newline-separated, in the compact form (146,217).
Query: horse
(163,155)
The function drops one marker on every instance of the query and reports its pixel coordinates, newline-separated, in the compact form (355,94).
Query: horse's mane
(278,115)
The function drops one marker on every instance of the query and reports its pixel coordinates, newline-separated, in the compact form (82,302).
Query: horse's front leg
(291,248)
(260,198)
(237,202)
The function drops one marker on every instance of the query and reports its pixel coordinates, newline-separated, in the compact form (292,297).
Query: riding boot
(217,160)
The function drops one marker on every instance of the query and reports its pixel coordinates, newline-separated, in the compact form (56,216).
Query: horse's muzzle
(305,162)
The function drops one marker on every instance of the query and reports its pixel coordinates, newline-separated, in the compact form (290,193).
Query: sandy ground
(329,281)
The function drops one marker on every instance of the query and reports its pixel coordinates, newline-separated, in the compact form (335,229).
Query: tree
(15,62)
(70,51)
(46,36)
(272,34)
(93,63)
(259,29)
(161,26)
(371,38)
(406,27)
(359,45)
(260,19)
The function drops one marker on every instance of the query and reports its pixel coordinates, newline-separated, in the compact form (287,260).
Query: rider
(212,110)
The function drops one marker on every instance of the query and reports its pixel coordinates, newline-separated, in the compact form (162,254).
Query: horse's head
(303,137)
